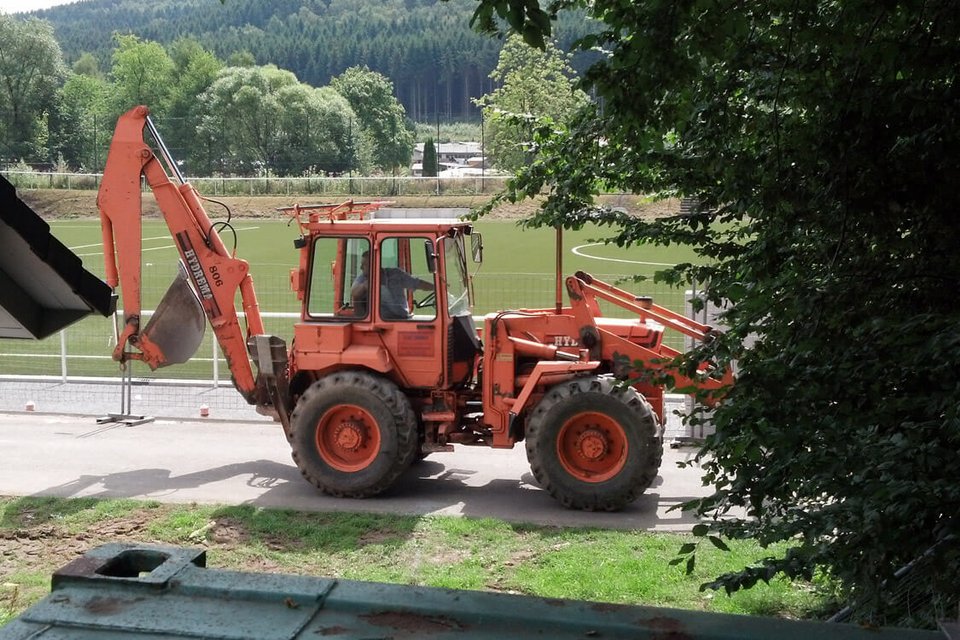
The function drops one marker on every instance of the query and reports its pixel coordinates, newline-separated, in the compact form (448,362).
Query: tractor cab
(392,296)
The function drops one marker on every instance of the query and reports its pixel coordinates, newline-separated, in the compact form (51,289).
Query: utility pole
(350,146)
(483,153)
(437,111)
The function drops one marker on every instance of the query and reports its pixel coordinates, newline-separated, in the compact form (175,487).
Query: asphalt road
(249,463)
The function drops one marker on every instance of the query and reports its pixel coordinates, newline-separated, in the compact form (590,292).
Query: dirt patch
(45,547)
(135,524)
(41,551)
(56,204)
(227,532)
(378,536)
(520,557)
(258,564)
(426,551)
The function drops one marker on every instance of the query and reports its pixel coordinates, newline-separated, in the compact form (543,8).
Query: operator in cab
(394,284)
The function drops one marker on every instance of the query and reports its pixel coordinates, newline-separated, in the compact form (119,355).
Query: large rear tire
(594,445)
(353,434)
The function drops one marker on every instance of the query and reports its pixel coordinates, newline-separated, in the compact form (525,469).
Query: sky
(17,6)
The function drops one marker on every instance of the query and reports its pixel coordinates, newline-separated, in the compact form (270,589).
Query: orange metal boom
(216,276)
(583,289)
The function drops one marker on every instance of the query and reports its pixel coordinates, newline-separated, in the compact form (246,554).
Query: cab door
(407,314)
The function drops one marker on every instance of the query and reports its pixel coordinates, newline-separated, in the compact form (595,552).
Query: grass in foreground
(39,535)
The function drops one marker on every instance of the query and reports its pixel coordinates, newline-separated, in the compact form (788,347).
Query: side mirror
(476,247)
(431,255)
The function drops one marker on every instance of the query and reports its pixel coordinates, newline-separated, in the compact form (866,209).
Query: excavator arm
(172,335)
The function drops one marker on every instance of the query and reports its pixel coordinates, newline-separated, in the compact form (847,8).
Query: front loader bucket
(177,325)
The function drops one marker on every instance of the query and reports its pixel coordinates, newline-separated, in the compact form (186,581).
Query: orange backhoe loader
(386,364)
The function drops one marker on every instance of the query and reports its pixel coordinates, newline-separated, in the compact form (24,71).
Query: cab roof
(432,226)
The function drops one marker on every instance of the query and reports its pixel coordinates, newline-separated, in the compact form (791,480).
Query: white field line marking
(579,252)
(100,244)
(166,246)
(100,253)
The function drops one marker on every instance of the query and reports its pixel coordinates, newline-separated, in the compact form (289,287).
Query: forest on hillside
(436,63)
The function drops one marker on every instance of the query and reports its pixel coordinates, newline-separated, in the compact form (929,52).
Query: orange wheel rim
(348,437)
(592,447)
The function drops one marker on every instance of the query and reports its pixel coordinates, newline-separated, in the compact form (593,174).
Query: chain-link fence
(363,186)
(83,350)
(74,369)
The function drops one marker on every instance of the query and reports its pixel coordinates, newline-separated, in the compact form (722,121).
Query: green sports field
(518,268)
(518,271)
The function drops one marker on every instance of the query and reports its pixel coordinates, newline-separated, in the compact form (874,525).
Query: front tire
(353,434)
(594,445)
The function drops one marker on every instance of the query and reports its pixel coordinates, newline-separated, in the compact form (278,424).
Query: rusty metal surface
(125,591)
(43,285)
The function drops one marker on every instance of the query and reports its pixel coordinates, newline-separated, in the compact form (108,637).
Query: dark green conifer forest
(437,64)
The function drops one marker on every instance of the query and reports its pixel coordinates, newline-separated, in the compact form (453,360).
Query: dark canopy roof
(43,285)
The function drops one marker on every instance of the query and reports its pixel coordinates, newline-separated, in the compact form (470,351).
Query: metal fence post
(216,365)
(63,355)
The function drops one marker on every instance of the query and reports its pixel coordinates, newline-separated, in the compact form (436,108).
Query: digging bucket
(177,325)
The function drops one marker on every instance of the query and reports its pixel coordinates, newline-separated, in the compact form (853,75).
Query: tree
(258,119)
(31,69)
(822,142)
(241,59)
(431,166)
(316,131)
(87,65)
(195,69)
(83,122)
(142,73)
(534,84)
(380,115)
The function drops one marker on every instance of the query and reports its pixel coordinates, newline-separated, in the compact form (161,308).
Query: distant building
(456,159)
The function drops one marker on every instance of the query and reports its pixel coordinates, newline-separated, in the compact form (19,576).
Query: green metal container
(162,593)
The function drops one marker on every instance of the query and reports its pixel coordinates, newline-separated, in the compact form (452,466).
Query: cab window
(406,284)
(335,275)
